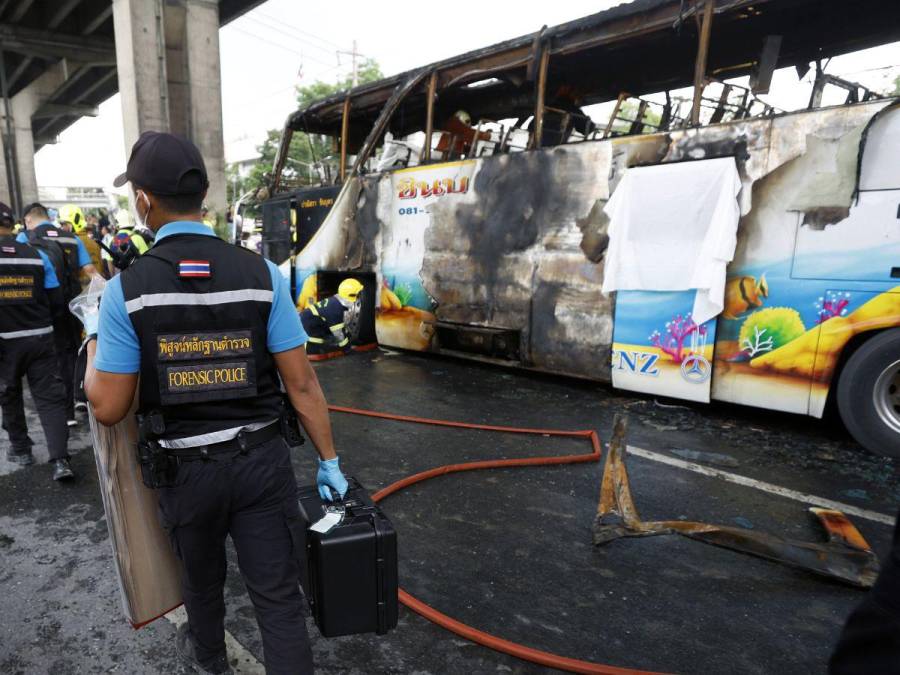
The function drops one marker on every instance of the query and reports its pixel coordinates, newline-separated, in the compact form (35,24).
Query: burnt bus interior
(657,66)
(530,92)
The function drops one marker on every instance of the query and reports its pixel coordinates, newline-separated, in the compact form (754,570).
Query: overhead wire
(295,28)
(281,30)
(275,43)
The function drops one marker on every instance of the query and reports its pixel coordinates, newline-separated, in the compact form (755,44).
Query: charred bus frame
(648,46)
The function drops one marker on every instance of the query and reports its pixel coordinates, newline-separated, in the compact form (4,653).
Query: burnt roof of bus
(640,47)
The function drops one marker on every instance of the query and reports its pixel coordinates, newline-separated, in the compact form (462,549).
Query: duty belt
(242,443)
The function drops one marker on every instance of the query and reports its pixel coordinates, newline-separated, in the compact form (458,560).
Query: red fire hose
(486,639)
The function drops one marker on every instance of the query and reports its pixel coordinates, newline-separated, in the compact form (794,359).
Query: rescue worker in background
(70,213)
(204,214)
(106,238)
(29,296)
(70,260)
(210,328)
(127,232)
(324,321)
(562,116)
(93,226)
(458,136)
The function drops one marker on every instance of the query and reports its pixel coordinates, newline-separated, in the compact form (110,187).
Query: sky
(267,52)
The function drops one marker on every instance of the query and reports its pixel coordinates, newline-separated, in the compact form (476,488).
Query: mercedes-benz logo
(695,368)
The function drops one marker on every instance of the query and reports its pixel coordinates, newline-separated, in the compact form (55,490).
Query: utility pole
(354,78)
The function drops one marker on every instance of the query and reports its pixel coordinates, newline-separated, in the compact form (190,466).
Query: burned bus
(474,199)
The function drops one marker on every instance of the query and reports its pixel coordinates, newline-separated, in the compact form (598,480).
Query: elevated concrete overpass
(59,59)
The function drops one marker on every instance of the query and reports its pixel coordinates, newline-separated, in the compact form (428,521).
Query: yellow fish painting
(743,294)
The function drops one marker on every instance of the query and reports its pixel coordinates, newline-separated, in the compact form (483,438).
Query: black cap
(7,219)
(165,164)
(32,206)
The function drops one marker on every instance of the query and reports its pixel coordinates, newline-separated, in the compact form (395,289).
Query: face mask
(135,212)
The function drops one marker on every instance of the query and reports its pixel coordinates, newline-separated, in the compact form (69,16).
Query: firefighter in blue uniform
(324,320)
(210,329)
(70,259)
(29,296)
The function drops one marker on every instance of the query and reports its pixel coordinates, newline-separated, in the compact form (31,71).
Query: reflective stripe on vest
(71,241)
(315,313)
(22,261)
(26,333)
(213,436)
(218,298)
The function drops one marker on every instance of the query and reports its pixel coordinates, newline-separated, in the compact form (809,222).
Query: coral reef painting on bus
(803,285)
(657,346)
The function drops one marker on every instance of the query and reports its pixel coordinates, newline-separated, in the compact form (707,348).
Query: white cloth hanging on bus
(673,227)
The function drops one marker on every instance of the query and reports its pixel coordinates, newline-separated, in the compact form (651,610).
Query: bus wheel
(868,394)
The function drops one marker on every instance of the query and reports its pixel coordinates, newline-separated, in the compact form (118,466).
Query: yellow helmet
(350,289)
(72,214)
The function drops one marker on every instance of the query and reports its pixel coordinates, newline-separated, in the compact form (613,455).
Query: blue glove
(330,476)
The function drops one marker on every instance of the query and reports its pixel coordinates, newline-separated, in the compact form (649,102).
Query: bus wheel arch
(867,391)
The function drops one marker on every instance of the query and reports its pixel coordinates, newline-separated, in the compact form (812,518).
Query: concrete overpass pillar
(5,195)
(170,78)
(23,105)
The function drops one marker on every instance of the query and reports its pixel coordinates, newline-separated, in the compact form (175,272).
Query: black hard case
(351,571)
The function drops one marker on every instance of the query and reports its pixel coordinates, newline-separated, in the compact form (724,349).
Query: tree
(306,150)
(628,113)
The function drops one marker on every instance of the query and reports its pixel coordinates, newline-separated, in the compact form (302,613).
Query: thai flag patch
(9,249)
(194,269)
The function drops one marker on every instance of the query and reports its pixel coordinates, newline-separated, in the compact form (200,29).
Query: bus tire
(868,394)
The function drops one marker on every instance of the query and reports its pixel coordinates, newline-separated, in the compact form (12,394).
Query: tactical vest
(322,318)
(200,308)
(24,306)
(62,249)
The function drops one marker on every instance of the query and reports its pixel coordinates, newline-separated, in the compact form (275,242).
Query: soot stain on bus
(517,196)
(361,251)
(594,237)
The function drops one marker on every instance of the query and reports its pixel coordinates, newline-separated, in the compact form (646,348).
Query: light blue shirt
(84,257)
(50,278)
(118,349)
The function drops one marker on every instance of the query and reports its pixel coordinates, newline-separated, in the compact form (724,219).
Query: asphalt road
(508,551)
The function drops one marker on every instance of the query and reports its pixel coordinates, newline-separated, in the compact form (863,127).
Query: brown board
(149,574)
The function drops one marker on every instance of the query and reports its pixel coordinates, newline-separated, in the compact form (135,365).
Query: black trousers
(34,358)
(253,498)
(870,642)
(66,338)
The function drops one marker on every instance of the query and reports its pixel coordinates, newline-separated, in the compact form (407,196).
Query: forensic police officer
(70,259)
(324,321)
(29,295)
(210,329)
